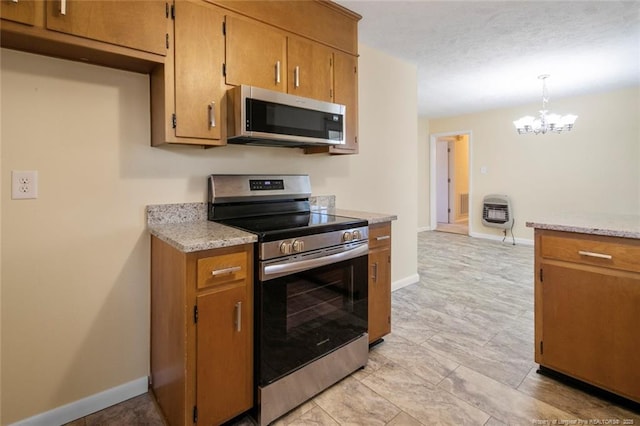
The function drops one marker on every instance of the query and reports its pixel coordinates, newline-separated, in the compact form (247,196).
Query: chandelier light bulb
(545,122)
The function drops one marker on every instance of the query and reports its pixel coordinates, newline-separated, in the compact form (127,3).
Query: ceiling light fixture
(546,122)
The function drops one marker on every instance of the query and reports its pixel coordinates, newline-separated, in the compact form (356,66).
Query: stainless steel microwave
(265,117)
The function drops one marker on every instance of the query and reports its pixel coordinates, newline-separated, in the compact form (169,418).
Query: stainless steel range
(310,287)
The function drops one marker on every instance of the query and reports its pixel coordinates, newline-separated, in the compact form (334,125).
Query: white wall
(75,262)
(424,217)
(594,168)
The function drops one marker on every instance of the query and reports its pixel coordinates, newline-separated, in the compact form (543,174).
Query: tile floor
(460,353)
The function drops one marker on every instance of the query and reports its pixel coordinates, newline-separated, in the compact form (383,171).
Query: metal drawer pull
(225,271)
(212,115)
(383,237)
(238,317)
(592,254)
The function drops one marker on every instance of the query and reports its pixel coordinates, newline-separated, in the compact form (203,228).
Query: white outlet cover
(24,184)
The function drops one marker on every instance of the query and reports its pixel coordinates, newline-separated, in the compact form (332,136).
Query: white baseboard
(424,228)
(523,241)
(88,405)
(411,279)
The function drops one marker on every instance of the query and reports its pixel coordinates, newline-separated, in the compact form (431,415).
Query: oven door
(307,307)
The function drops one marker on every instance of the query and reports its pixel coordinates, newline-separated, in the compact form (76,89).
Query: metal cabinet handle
(15,1)
(375,272)
(296,73)
(238,321)
(225,271)
(383,237)
(592,254)
(212,115)
(63,7)
(278,72)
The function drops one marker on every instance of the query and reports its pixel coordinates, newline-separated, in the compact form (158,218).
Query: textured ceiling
(478,55)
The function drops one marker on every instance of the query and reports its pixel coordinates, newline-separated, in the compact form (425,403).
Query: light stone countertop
(611,225)
(185,225)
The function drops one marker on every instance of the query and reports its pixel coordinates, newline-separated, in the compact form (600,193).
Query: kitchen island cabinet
(587,293)
(201,332)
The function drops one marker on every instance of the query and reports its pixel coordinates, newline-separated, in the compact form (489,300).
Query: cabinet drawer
(222,269)
(609,252)
(380,235)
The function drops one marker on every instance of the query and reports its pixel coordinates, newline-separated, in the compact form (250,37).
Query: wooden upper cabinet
(199,83)
(23,11)
(310,69)
(256,55)
(138,24)
(346,93)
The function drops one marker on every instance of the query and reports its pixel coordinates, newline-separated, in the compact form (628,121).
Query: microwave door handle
(303,265)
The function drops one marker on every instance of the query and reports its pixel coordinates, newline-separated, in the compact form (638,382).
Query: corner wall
(75,261)
(594,168)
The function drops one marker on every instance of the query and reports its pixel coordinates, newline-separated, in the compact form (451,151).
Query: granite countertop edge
(200,235)
(185,226)
(624,226)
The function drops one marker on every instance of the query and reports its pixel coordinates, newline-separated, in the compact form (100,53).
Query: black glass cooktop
(292,225)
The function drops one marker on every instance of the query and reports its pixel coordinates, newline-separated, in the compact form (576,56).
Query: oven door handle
(303,265)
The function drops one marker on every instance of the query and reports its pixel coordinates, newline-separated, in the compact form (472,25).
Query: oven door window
(308,314)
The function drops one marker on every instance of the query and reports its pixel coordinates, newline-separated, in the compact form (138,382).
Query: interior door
(442,181)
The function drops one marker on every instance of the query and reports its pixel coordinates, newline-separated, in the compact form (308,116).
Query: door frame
(432,176)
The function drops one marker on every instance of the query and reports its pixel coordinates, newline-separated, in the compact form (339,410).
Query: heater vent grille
(496,211)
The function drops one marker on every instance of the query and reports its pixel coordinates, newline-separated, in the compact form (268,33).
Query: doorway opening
(450,182)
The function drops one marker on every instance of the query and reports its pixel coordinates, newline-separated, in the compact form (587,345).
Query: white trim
(88,405)
(411,279)
(523,241)
(424,228)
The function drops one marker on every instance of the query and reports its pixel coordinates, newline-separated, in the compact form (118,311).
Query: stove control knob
(298,245)
(347,236)
(285,248)
(356,235)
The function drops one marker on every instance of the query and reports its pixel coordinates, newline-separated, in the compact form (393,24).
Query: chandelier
(545,122)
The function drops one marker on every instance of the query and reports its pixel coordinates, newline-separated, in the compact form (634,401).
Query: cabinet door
(379,293)
(139,24)
(224,354)
(22,11)
(590,323)
(346,93)
(310,69)
(199,83)
(256,55)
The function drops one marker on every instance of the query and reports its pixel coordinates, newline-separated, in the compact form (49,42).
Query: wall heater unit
(496,211)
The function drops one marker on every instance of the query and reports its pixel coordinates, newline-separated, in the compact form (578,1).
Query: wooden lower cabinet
(379,281)
(587,299)
(201,333)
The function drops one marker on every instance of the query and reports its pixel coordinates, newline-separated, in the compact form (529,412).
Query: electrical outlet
(24,184)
